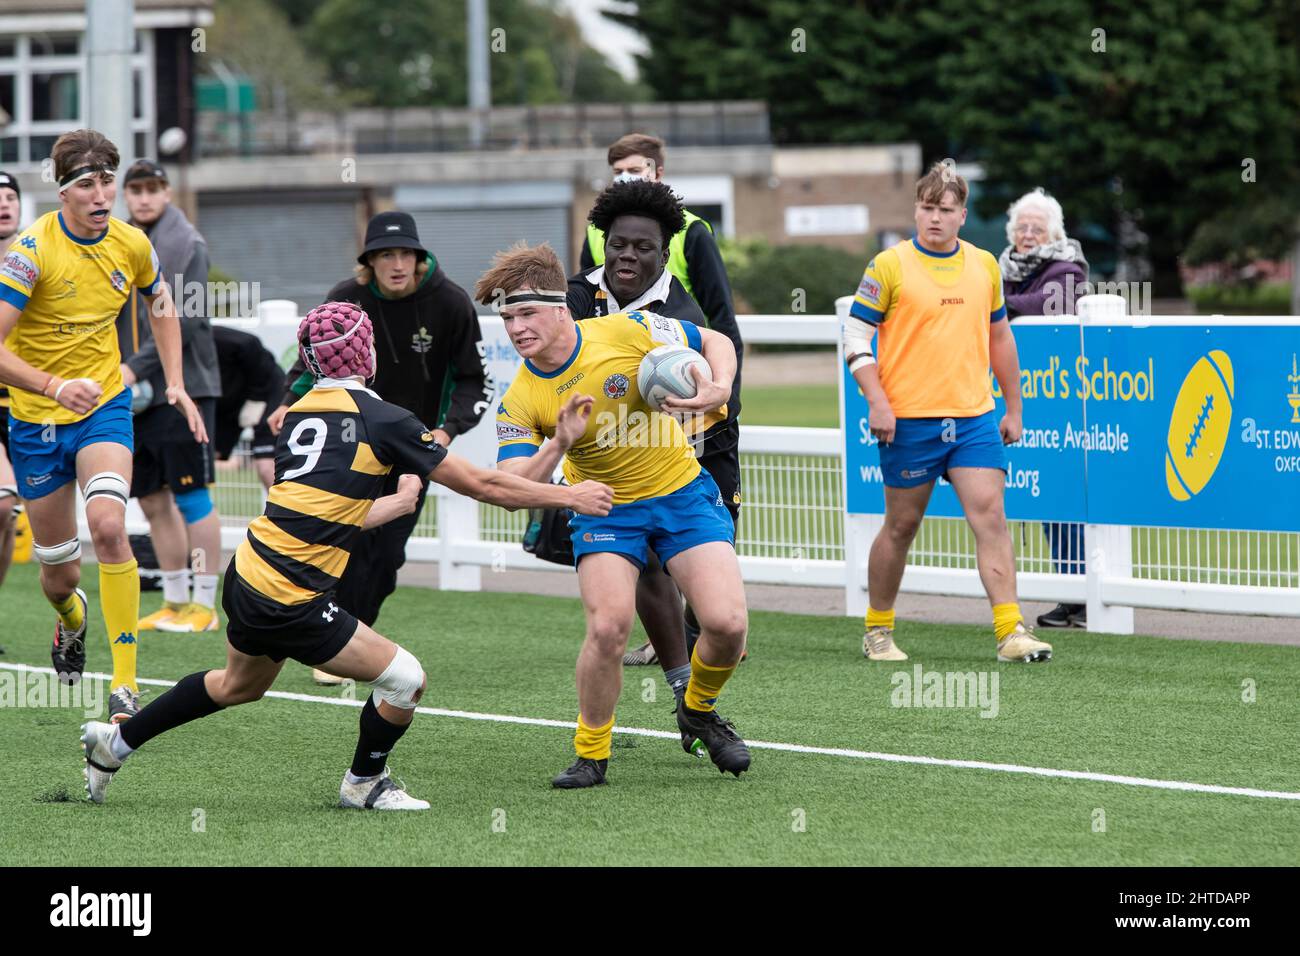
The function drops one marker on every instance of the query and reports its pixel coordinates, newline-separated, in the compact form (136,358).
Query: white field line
(767,745)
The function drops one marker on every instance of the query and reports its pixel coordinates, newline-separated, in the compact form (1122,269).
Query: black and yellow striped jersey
(337,444)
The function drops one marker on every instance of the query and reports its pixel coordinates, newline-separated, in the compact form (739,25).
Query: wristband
(58,391)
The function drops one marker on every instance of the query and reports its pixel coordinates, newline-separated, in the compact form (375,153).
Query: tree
(414,53)
(255,38)
(1145,110)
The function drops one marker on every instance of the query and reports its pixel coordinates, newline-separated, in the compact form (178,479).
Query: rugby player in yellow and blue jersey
(338,446)
(62,284)
(578,387)
(935,304)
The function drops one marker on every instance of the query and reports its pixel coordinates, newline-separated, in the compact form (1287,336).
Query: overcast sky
(616,42)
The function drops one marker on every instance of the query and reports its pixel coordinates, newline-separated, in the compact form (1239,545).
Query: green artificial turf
(257,784)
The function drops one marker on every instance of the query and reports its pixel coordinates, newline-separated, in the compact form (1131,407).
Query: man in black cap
(10,216)
(172,472)
(430,362)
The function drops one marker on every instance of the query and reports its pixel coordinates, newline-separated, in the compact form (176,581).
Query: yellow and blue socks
(70,611)
(1005,618)
(593,742)
(706,683)
(879,618)
(119,596)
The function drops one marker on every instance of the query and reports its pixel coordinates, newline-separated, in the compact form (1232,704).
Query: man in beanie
(172,471)
(428,339)
(343,444)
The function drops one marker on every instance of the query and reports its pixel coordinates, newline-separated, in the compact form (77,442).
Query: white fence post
(1108,549)
(457,523)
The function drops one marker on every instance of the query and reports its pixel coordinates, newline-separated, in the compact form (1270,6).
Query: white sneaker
(381,793)
(1021,647)
(878,645)
(100,762)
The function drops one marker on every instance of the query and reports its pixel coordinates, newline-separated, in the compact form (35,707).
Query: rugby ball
(666,373)
(1199,426)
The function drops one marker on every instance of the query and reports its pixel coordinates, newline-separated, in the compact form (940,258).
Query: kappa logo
(126,637)
(28,242)
(501,409)
(639,319)
(118,280)
(616,385)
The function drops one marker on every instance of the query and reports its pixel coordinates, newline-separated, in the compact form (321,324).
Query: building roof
(79,6)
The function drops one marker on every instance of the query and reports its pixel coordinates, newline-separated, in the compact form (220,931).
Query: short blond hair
(942,178)
(521,267)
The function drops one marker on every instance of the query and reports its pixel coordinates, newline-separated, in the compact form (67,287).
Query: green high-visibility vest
(676,249)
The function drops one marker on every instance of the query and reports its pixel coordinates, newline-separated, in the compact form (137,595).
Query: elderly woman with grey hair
(1043,270)
(1044,273)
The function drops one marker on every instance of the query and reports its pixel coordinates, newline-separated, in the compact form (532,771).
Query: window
(8,47)
(54,96)
(40,148)
(45,44)
(9,149)
(7,95)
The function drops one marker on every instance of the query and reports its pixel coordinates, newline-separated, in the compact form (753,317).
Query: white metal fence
(793,530)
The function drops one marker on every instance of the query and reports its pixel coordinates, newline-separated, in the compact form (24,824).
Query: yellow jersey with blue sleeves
(932,312)
(630,446)
(70,291)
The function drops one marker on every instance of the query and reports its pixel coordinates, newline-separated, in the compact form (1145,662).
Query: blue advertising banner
(1179,426)
(1217,442)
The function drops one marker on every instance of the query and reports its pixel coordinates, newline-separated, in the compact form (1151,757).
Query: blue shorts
(42,466)
(925,448)
(692,515)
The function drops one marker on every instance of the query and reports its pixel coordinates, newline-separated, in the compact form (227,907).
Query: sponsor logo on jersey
(19,268)
(664,323)
(616,385)
(118,280)
(507,432)
(869,289)
(957,301)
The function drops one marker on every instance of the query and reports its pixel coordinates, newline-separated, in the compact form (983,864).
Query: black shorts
(228,431)
(720,457)
(310,633)
(166,454)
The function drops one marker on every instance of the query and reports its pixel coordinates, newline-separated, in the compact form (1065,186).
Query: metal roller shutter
(297,248)
(464,240)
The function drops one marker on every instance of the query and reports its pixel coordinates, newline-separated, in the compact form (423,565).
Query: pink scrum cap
(336,340)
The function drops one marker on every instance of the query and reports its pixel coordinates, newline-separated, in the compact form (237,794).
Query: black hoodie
(429,351)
